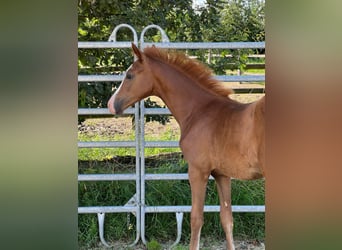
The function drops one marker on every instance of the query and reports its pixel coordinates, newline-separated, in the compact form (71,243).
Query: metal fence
(137,203)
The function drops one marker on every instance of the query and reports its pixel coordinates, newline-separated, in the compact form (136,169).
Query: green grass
(255,71)
(246,72)
(160,227)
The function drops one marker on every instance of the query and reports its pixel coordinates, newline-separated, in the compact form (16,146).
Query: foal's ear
(137,52)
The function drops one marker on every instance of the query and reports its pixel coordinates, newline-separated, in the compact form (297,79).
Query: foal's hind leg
(198,183)
(223,187)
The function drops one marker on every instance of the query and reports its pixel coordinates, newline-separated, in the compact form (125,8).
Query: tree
(243,20)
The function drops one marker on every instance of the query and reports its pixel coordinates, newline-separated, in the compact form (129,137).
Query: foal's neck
(182,95)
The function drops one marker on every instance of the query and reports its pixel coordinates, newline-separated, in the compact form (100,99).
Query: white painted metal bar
(107,177)
(107,209)
(142,172)
(241,78)
(207,208)
(157,111)
(151,177)
(100,219)
(164,37)
(137,173)
(174,45)
(207,45)
(155,177)
(223,78)
(100,78)
(161,144)
(106,144)
(104,45)
(102,111)
(112,37)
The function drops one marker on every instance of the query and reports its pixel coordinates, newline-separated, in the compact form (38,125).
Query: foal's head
(136,85)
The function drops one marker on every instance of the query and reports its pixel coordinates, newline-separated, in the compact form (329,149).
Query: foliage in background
(217,21)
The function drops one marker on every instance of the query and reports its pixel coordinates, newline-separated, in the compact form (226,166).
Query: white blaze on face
(110,104)
(111,101)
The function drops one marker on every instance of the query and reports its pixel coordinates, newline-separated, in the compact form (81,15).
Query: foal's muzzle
(115,105)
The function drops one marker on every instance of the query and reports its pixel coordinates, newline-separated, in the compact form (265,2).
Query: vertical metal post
(101,218)
(137,171)
(142,171)
(112,37)
(137,163)
(164,38)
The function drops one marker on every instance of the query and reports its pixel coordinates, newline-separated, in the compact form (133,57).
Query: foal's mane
(194,69)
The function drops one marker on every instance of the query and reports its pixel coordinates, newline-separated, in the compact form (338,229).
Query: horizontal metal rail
(100,78)
(157,111)
(175,45)
(103,45)
(107,177)
(106,144)
(242,78)
(208,45)
(107,209)
(207,208)
(127,144)
(223,78)
(165,209)
(129,177)
(155,177)
(102,111)
(161,144)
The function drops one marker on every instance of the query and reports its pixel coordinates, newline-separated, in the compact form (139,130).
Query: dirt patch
(106,126)
(124,125)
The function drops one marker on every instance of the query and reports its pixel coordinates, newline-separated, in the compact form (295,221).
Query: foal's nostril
(110,105)
(118,104)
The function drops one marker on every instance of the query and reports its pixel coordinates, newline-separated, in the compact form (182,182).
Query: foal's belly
(249,174)
(227,159)
(240,169)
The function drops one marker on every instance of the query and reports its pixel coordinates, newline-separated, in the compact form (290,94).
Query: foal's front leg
(223,188)
(198,183)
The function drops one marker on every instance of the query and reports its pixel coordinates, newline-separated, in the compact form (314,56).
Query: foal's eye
(129,76)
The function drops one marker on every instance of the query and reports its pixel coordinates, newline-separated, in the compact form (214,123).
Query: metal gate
(137,204)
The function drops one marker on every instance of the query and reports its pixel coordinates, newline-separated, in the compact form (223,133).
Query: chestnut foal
(219,136)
